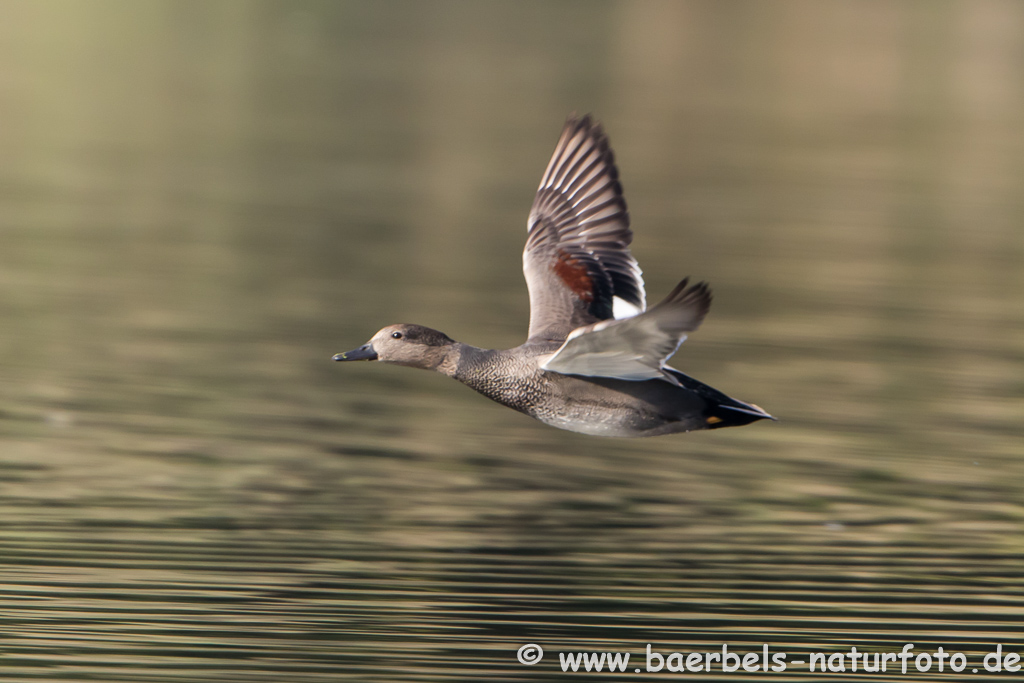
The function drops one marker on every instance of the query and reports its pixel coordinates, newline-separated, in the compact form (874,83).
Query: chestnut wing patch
(575,276)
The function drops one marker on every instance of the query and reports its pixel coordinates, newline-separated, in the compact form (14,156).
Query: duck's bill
(364,352)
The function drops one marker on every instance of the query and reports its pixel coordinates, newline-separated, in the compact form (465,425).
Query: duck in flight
(595,358)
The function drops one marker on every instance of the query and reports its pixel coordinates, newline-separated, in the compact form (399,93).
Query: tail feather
(721,410)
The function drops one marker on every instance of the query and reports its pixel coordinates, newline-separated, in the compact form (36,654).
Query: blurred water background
(201,202)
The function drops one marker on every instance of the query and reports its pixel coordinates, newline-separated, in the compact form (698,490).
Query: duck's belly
(601,423)
(600,427)
(612,408)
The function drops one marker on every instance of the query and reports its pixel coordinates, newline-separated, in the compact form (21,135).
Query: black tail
(721,410)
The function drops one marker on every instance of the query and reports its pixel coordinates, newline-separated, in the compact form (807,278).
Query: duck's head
(413,345)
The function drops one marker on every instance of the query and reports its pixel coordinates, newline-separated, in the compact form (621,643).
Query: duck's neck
(453,359)
(462,359)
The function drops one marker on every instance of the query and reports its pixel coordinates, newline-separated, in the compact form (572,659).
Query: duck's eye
(396,335)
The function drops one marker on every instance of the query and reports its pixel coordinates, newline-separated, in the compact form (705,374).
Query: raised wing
(635,348)
(577,262)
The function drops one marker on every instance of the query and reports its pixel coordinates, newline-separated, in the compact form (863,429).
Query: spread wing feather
(577,261)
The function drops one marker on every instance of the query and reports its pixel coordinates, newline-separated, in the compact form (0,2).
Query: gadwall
(594,361)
